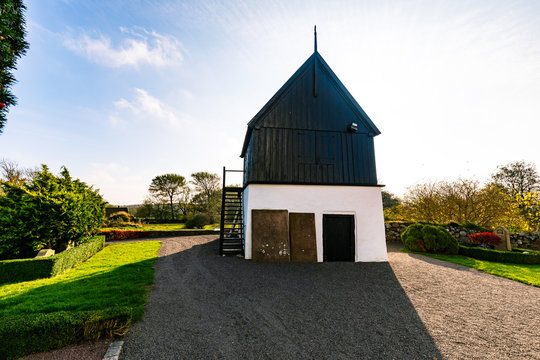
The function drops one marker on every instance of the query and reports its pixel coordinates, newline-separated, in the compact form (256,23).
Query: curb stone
(114,350)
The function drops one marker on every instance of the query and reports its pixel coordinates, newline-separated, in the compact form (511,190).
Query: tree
(11,172)
(517,178)
(184,200)
(146,210)
(461,201)
(169,186)
(208,190)
(12,47)
(529,204)
(47,211)
(389,200)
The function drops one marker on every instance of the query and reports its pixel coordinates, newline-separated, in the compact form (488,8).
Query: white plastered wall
(364,202)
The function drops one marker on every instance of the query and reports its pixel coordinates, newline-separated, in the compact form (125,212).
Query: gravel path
(471,314)
(210,307)
(87,351)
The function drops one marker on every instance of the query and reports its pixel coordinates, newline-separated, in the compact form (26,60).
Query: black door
(338,237)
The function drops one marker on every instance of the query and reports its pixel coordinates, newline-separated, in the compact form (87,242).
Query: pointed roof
(317,61)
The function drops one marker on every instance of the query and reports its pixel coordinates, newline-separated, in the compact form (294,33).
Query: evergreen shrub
(429,238)
(47,212)
(198,221)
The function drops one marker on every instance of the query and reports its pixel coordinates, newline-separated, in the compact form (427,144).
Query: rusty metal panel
(270,235)
(303,240)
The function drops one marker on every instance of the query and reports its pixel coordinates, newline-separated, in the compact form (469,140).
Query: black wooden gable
(303,134)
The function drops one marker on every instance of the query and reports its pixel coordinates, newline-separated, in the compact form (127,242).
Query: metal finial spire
(315,34)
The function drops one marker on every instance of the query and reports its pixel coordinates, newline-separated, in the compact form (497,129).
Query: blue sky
(122,91)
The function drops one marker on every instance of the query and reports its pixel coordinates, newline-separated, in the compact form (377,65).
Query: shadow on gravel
(206,306)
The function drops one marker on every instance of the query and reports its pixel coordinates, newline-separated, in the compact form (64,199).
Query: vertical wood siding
(302,139)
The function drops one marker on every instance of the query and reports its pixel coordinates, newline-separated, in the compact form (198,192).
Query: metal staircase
(231,236)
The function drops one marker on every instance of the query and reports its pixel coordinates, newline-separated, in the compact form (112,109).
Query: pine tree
(12,47)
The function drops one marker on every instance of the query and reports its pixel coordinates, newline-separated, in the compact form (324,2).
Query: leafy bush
(429,238)
(23,335)
(31,269)
(120,216)
(500,256)
(48,212)
(198,221)
(485,238)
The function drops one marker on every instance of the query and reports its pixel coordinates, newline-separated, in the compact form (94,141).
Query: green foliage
(475,227)
(31,269)
(389,200)
(40,332)
(198,221)
(97,298)
(429,238)
(12,47)
(208,197)
(500,256)
(47,212)
(411,237)
(168,186)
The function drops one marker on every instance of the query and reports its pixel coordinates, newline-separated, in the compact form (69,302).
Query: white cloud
(148,108)
(140,47)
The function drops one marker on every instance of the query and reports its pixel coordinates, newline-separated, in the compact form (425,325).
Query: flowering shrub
(485,238)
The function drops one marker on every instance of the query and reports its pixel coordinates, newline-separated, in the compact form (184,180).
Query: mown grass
(527,274)
(156,227)
(118,275)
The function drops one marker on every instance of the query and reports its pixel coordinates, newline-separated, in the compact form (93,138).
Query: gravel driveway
(209,307)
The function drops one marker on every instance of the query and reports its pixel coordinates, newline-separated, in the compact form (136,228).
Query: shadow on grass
(208,306)
(74,309)
(122,286)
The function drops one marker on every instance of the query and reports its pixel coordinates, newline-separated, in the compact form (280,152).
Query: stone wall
(526,240)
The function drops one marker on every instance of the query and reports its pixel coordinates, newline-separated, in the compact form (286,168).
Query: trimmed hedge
(23,335)
(500,256)
(32,269)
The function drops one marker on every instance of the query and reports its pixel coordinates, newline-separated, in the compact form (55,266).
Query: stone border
(113,352)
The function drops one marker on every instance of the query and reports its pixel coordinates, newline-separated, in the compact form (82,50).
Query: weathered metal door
(338,237)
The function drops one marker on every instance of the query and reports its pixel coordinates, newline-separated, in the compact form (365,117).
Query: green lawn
(118,275)
(528,274)
(157,227)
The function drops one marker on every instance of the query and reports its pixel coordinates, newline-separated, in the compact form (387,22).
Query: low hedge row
(32,333)
(32,269)
(500,256)
(113,234)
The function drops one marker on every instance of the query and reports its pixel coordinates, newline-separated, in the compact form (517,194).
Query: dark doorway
(338,237)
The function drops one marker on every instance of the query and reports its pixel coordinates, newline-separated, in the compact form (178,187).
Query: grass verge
(527,274)
(100,297)
(36,268)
